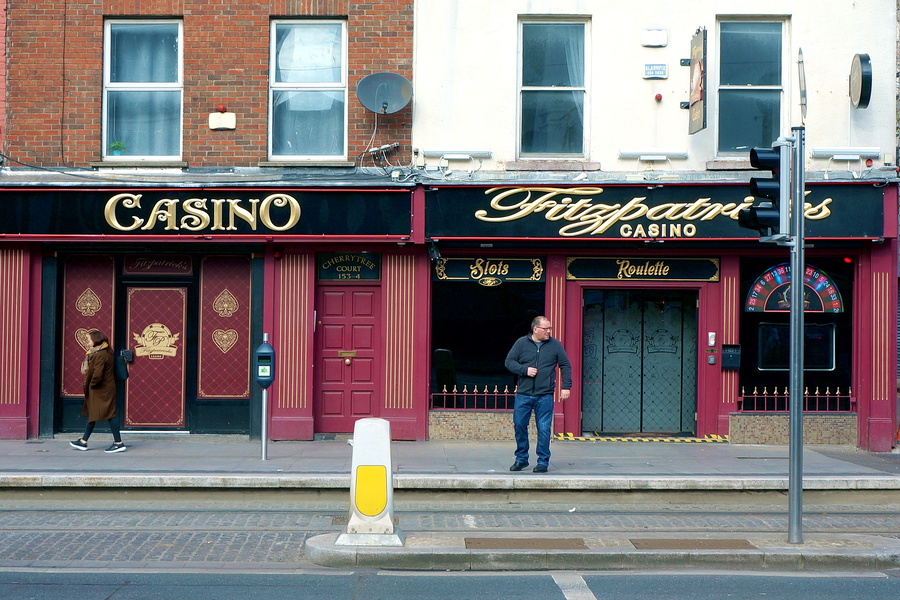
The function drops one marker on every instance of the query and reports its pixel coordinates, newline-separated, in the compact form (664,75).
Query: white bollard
(371,488)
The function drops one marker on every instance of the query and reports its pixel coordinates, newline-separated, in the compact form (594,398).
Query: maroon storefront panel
(87,304)
(224,359)
(156,331)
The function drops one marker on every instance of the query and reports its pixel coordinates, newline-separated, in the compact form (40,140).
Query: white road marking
(573,586)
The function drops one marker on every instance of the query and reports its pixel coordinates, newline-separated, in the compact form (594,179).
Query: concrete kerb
(445,482)
(95,480)
(866,553)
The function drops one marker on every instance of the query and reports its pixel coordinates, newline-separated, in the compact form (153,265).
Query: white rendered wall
(466,71)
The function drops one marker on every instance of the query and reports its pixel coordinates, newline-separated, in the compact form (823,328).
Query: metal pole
(798,267)
(265,410)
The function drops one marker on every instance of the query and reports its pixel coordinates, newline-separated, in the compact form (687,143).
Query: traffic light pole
(798,267)
(777,214)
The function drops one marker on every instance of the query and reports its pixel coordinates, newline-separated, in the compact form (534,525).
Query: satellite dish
(384,93)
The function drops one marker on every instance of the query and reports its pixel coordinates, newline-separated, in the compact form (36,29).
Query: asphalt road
(382,585)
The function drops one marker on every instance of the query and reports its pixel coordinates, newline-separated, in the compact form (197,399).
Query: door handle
(346,361)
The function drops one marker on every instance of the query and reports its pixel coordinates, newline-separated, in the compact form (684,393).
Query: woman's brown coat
(99,387)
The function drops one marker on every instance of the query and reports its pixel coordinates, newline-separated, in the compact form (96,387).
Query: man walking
(533,359)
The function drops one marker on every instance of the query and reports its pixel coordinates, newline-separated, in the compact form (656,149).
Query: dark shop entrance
(639,361)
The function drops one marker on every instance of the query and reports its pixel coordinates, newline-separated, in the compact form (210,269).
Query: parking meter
(264,363)
(264,371)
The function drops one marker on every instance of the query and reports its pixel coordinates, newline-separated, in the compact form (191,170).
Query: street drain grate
(702,544)
(525,544)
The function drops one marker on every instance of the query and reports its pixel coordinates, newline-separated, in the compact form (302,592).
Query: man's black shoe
(540,469)
(518,466)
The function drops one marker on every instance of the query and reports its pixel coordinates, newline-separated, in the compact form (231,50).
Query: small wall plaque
(656,71)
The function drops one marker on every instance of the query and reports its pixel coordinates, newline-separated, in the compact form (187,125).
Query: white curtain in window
(574,46)
(552,104)
(146,118)
(144,54)
(308,91)
(310,55)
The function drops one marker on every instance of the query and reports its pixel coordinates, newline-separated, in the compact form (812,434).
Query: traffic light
(770,212)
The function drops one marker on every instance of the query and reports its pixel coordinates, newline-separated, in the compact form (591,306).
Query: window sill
(552,165)
(306,163)
(154,164)
(729,164)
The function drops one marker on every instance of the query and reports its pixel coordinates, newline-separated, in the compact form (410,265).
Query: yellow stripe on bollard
(371,489)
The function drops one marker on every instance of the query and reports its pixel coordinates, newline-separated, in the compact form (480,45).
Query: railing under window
(826,400)
(477,398)
(774,400)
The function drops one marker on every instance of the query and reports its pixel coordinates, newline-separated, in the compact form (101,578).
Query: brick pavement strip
(175,539)
(436,520)
(282,547)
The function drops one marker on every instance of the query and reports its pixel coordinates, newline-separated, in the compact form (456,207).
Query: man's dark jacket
(525,353)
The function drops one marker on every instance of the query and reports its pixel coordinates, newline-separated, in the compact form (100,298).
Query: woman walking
(99,392)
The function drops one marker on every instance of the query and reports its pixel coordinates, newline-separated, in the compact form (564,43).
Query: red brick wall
(2,72)
(55,68)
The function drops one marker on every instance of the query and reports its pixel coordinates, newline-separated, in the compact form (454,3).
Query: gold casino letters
(277,212)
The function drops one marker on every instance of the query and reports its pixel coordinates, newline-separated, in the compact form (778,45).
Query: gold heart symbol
(225,339)
(83,338)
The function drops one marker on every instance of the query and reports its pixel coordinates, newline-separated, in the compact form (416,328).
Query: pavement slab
(628,480)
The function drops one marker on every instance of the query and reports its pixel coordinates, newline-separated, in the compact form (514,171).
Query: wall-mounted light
(653,154)
(433,253)
(846,153)
(457,153)
(222,119)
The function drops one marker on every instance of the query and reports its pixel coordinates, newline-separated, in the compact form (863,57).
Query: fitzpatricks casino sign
(638,212)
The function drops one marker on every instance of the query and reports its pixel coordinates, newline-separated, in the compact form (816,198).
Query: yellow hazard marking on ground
(571,437)
(371,489)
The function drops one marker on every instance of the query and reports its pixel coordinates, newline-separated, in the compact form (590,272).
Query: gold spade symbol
(226,304)
(88,303)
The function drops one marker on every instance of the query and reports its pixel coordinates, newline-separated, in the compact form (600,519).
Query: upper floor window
(750,84)
(308,90)
(552,89)
(142,89)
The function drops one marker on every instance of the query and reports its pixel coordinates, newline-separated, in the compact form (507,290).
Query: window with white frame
(751,73)
(142,89)
(308,90)
(552,89)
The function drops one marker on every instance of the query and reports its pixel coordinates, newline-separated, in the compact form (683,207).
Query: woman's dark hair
(98,337)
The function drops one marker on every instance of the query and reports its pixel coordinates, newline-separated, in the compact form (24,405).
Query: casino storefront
(676,319)
(187,280)
(401,301)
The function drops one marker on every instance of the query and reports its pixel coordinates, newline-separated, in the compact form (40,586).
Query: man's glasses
(547,328)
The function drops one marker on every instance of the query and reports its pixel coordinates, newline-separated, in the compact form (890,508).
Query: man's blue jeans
(543,417)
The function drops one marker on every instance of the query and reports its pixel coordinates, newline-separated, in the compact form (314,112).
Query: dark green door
(639,361)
